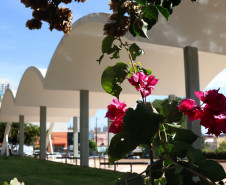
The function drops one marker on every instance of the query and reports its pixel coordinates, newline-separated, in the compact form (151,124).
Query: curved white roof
(58,102)
(74,66)
(9,112)
(31,92)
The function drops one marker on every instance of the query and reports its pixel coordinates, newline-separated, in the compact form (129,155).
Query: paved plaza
(95,163)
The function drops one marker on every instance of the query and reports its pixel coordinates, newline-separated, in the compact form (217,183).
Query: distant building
(221,139)
(102,139)
(211,141)
(105,129)
(4,85)
(1,94)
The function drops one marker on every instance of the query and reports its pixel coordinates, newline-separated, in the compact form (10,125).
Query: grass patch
(39,172)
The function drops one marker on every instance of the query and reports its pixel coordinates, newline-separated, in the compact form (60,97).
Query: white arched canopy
(32,93)
(9,112)
(74,66)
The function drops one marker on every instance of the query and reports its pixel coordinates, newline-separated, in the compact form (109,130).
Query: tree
(222,147)
(31,134)
(92,147)
(166,106)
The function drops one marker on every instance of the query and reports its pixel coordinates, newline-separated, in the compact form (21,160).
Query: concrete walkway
(95,163)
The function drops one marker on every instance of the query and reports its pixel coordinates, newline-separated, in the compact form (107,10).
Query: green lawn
(38,172)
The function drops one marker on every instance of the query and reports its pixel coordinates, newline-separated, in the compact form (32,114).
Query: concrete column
(171,97)
(5,139)
(42,141)
(21,135)
(110,135)
(75,136)
(191,67)
(48,137)
(84,127)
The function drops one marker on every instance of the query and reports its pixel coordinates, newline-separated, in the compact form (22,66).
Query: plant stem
(176,164)
(192,171)
(130,179)
(152,162)
(132,62)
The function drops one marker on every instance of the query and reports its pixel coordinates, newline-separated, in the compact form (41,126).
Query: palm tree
(31,134)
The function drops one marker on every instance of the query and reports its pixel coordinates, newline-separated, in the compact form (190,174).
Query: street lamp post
(96,130)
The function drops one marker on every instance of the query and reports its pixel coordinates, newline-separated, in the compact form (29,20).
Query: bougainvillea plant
(178,163)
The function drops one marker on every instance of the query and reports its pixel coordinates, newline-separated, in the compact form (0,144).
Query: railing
(104,161)
(125,163)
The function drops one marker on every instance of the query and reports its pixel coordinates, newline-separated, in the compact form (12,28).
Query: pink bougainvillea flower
(187,104)
(213,99)
(221,121)
(215,124)
(143,83)
(139,80)
(212,115)
(116,109)
(151,82)
(116,112)
(116,127)
(189,108)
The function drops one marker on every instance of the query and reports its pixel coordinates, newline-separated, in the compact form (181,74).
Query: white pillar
(84,127)
(110,135)
(191,66)
(75,136)
(5,139)
(48,137)
(21,135)
(42,141)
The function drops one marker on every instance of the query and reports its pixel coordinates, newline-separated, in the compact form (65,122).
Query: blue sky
(21,48)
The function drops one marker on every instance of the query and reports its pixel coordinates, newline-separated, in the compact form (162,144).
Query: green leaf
(142,120)
(178,175)
(168,5)
(115,55)
(161,181)
(121,144)
(150,22)
(178,170)
(172,178)
(147,71)
(195,156)
(156,169)
(212,169)
(171,111)
(112,78)
(177,2)
(142,2)
(141,31)
(151,12)
(179,149)
(100,59)
(136,179)
(135,51)
(164,12)
(107,43)
(183,135)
